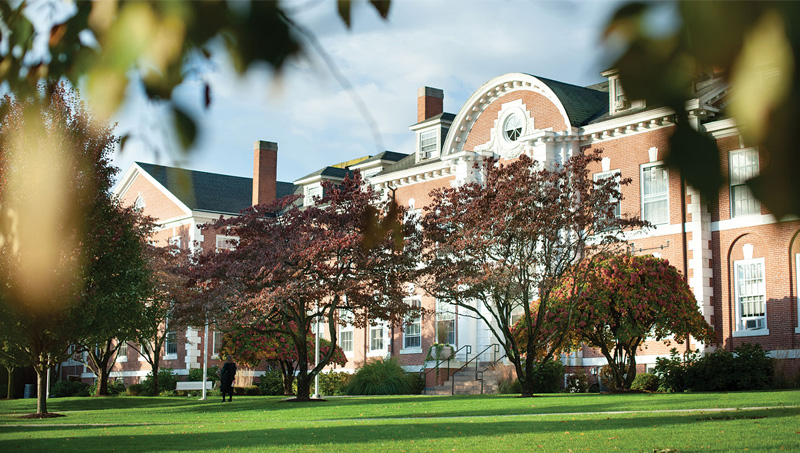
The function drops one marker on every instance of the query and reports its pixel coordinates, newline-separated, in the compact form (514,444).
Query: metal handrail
(423,374)
(495,349)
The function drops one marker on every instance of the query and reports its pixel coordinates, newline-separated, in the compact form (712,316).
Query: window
(216,345)
(620,101)
(122,352)
(743,166)
(139,203)
(751,295)
(171,344)
(512,128)
(427,144)
(445,323)
(616,175)
(311,193)
(376,338)
(226,242)
(655,194)
(346,340)
(412,331)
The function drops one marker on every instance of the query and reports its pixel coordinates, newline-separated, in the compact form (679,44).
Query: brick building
(741,262)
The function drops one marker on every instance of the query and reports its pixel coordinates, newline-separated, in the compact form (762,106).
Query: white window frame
(120,356)
(740,330)
(311,191)
(618,174)
(446,312)
(346,316)
(170,355)
(425,135)
(375,352)
(797,281)
(214,350)
(742,183)
(224,242)
(409,328)
(653,198)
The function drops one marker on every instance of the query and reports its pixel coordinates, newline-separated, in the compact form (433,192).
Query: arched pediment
(500,87)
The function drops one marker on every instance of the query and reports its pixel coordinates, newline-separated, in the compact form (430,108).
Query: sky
(454,45)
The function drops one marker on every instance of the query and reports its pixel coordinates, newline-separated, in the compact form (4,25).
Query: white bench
(193,385)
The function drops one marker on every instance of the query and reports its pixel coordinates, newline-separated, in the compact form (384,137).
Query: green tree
(114,300)
(54,168)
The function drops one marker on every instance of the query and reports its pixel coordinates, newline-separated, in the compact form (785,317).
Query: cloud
(456,46)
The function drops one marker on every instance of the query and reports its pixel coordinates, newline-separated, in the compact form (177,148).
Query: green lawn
(411,423)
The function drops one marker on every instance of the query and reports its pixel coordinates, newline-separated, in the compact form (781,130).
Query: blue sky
(455,45)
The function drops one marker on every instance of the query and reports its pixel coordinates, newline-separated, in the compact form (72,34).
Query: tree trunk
(102,384)
(287,371)
(303,387)
(155,378)
(41,393)
(10,391)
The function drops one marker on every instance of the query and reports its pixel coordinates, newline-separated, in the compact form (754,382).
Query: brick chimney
(265,172)
(430,102)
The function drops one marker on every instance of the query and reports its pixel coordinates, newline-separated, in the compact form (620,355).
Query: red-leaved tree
(295,265)
(496,245)
(625,300)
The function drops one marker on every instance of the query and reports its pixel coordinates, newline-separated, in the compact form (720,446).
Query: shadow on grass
(343,435)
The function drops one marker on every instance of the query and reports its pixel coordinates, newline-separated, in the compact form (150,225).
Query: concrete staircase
(466,384)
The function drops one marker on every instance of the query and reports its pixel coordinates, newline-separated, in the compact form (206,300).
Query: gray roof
(331,172)
(582,104)
(212,192)
(391,156)
(444,116)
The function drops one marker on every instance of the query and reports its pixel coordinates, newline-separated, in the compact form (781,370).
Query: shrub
(748,367)
(167,380)
(196,374)
(250,390)
(379,377)
(135,390)
(578,382)
(333,383)
(509,385)
(671,372)
(70,388)
(647,382)
(547,379)
(271,383)
(416,384)
(115,387)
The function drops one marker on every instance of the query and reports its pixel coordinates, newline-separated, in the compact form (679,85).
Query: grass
(409,423)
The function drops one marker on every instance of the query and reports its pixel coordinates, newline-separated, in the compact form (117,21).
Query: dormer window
(620,101)
(428,147)
(311,193)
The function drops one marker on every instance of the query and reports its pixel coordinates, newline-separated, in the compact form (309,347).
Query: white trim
(797,283)
(412,301)
(130,176)
(485,96)
(642,168)
(738,331)
(411,351)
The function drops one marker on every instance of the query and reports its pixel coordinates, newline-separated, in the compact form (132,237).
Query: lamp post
(316,358)
(205,361)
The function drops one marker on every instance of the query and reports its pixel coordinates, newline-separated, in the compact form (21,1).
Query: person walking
(226,377)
